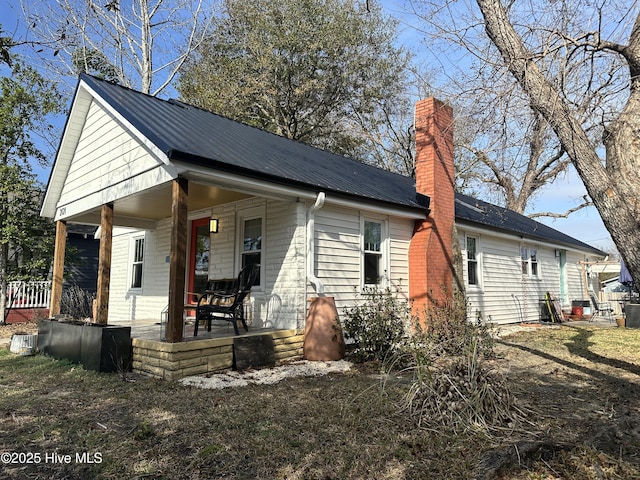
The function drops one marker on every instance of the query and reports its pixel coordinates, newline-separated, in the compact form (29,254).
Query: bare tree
(513,156)
(141,44)
(505,149)
(599,61)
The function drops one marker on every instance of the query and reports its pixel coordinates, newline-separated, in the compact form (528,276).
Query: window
(529,257)
(251,252)
(136,264)
(533,258)
(472,261)
(372,253)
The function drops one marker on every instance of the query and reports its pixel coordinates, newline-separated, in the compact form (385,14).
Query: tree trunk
(613,188)
(146,43)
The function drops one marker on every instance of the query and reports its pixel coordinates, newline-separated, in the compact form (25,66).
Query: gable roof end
(192,135)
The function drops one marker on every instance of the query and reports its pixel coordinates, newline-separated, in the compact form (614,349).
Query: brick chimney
(431,248)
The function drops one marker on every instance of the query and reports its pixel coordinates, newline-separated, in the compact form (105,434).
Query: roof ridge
(181,104)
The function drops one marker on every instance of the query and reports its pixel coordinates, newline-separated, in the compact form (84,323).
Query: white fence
(28,294)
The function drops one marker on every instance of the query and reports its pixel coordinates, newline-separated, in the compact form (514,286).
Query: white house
(511,261)
(154,173)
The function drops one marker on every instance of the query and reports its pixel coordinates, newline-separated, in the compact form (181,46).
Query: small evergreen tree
(26,239)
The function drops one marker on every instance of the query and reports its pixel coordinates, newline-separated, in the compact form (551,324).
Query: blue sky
(564,194)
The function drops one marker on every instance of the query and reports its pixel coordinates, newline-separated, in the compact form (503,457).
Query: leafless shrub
(453,387)
(462,394)
(77,303)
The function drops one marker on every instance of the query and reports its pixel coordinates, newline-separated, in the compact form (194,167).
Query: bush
(378,326)
(461,395)
(77,303)
(446,329)
(453,388)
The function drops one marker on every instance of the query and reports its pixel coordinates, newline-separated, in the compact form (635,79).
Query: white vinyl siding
(339,252)
(508,296)
(400,232)
(284,275)
(139,306)
(107,155)
(283,262)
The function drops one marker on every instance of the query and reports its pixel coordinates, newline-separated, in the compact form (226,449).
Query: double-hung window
(137,262)
(473,278)
(373,252)
(529,258)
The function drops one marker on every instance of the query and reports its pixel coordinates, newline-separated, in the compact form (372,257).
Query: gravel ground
(302,368)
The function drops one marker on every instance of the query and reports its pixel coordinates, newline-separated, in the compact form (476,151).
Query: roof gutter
(311,275)
(258,183)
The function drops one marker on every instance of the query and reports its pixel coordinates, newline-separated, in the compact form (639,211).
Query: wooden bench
(224,298)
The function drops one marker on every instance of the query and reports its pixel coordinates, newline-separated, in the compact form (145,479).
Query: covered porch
(182,196)
(212,351)
(208,232)
(169,217)
(154,267)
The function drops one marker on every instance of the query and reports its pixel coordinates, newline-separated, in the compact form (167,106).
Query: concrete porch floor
(219,329)
(222,329)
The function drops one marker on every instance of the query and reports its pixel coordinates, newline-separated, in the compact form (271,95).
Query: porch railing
(28,294)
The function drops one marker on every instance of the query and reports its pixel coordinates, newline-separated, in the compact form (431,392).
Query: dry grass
(583,384)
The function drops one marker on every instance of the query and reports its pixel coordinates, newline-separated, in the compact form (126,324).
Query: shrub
(77,303)
(377,326)
(462,394)
(446,329)
(453,387)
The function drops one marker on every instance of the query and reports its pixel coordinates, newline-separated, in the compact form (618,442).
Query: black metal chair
(603,309)
(224,299)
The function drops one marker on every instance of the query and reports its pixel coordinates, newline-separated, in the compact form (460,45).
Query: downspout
(311,274)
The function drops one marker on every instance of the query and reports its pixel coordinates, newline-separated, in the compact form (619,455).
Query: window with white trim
(137,262)
(529,258)
(373,252)
(251,249)
(473,273)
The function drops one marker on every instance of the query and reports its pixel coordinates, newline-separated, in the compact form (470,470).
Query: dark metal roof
(190,134)
(193,135)
(469,209)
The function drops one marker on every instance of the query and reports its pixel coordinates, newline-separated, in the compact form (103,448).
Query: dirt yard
(583,385)
(580,384)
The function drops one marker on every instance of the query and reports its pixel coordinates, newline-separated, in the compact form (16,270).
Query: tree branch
(584,204)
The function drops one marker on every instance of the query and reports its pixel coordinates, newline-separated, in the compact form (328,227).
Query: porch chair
(603,309)
(273,310)
(224,300)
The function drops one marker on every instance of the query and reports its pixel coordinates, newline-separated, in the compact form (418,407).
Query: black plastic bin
(632,315)
(103,348)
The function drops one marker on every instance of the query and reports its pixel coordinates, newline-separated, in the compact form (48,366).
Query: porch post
(104,264)
(178,258)
(58,268)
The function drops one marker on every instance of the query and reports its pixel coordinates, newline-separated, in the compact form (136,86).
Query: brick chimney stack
(431,249)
